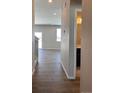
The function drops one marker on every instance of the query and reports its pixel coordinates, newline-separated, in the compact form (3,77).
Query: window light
(58,35)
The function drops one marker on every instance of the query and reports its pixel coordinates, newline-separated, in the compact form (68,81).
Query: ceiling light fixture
(54,13)
(79,20)
(50,1)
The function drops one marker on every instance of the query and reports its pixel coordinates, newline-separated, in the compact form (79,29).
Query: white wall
(73,6)
(86,52)
(34,51)
(48,36)
(33,40)
(44,12)
(67,45)
(65,37)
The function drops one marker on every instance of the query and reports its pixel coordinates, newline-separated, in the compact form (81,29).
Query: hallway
(50,77)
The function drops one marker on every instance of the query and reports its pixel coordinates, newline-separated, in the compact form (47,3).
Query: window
(58,39)
(39,36)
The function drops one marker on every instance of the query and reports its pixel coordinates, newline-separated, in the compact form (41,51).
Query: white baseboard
(71,78)
(68,77)
(52,48)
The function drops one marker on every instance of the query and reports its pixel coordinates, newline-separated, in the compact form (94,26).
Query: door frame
(75,40)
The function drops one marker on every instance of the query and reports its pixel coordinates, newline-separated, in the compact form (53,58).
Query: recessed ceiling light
(50,1)
(54,13)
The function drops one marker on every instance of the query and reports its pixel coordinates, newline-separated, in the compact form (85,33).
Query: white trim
(64,70)
(78,10)
(68,77)
(75,38)
(34,69)
(51,48)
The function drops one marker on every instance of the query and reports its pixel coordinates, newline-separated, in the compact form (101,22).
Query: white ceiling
(44,12)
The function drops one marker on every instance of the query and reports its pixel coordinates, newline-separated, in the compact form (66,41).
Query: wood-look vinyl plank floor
(50,77)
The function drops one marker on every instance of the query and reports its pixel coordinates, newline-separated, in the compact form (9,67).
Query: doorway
(39,36)
(77,40)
